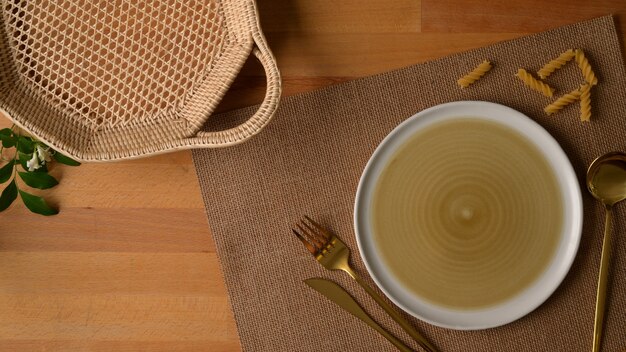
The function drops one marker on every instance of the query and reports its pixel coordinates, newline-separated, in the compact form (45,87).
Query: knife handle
(421,340)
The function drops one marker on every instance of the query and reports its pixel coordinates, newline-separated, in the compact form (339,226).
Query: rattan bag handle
(261,117)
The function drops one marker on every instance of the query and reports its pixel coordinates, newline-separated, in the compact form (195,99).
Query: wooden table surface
(129,263)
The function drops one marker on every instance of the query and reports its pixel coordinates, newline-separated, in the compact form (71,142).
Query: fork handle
(399,345)
(421,340)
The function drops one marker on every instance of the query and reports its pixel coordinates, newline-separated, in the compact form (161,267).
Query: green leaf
(37,204)
(65,159)
(8,195)
(7,141)
(40,180)
(25,145)
(23,158)
(6,171)
(6,132)
(42,169)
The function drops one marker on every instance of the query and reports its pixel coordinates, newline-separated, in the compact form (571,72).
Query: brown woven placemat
(309,160)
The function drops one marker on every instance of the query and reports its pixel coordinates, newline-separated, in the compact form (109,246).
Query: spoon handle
(602,282)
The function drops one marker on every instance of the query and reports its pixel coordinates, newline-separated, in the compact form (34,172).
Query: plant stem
(15,162)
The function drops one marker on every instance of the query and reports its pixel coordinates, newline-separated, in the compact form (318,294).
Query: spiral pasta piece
(556,64)
(585,67)
(563,101)
(585,103)
(476,74)
(534,83)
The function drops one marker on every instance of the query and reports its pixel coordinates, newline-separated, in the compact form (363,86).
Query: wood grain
(447,16)
(129,265)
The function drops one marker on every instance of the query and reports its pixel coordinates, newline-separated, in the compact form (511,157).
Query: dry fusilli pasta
(534,83)
(556,64)
(473,76)
(585,67)
(585,102)
(563,101)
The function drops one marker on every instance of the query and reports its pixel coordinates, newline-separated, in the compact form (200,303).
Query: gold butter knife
(335,293)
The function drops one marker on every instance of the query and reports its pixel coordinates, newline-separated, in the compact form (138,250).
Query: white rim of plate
(522,303)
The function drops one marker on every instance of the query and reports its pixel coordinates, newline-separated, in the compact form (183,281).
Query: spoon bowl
(606,178)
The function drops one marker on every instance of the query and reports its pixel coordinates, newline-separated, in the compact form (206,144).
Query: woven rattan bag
(116,79)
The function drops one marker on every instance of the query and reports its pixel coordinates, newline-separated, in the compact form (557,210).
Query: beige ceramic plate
(529,297)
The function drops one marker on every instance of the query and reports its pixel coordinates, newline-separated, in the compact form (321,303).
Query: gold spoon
(606,180)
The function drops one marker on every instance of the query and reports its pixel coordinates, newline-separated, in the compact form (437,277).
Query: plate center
(467,213)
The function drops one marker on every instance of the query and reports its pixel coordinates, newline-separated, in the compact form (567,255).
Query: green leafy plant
(33,158)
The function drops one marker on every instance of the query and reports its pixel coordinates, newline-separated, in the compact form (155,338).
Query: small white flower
(44,154)
(33,164)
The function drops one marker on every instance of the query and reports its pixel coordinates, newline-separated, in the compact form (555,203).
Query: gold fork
(333,254)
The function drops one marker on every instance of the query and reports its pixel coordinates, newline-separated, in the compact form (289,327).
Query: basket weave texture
(105,80)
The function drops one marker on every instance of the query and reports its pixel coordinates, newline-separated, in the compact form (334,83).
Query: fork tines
(313,235)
